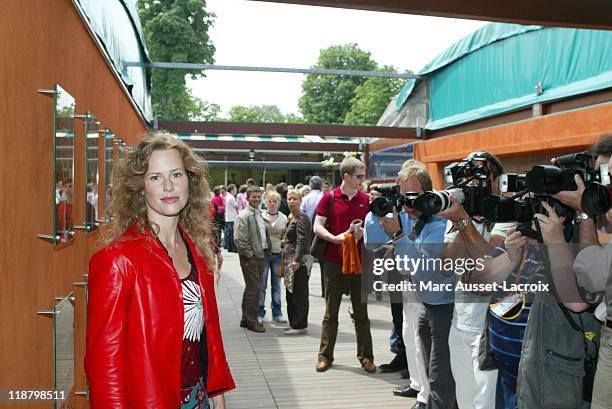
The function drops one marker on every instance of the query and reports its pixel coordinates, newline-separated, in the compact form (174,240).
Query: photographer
(472,237)
(540,340)
(592,267)
(425,324)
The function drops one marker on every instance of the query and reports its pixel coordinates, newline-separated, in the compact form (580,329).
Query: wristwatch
(580,217)
(398,235)
(460,224)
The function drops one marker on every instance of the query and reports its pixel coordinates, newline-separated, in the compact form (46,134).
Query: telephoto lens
(430,203)
(597,199)
(381,206)
(548,179)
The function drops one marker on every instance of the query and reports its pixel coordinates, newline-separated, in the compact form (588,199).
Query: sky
(254,33)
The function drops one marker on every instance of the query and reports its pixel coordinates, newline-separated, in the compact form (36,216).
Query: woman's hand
(515,244)
(294,266)
(218,402)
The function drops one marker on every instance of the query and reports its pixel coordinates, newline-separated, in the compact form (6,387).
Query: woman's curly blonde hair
(128,201)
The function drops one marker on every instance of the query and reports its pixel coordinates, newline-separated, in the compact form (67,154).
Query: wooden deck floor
(273,370)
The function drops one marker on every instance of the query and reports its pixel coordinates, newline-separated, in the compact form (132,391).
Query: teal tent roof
(504,67)
(478,39)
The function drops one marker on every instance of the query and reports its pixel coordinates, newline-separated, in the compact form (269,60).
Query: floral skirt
(195,397)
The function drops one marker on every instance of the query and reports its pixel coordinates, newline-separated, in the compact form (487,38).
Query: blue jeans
(505,396)
(270,263)
(229,237)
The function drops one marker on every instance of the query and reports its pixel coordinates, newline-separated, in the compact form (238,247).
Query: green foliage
(204,111)
(257,113)
(327,98)
(371,99)
(261,113)
(176,31)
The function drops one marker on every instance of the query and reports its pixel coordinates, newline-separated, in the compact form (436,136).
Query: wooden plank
(273,370)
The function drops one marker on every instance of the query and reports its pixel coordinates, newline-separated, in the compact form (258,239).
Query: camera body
(391,198)
(512,182)
(502,209)
(470,187)
(597,196)
(551,179)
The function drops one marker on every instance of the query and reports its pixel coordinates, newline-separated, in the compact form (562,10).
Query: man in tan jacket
(252,239)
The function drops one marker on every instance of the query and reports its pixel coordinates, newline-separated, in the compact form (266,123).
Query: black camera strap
(418,227)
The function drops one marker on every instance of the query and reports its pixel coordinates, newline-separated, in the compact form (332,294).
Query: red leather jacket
(135,326)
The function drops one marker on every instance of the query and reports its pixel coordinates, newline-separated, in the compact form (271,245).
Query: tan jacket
(247,237)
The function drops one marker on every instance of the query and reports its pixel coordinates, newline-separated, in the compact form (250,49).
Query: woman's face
(294,204)
(166,186)
(272,204)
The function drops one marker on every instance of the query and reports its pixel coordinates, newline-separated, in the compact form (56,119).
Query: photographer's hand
(572,198)
(456,212)
(551,225)
(391,226)
(515,244)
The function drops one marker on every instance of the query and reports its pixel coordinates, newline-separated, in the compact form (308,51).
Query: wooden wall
(45,43)
(521,144)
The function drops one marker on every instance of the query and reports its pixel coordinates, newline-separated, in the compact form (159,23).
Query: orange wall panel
(45,43)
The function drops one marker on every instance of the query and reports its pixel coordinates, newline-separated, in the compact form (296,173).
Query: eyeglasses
(360,177)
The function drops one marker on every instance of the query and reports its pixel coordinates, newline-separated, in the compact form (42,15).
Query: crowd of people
(462,348)
(470,347)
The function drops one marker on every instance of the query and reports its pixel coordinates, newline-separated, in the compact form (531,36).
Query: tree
(327,98)
(176,31)
(371,99)
(256,113)
(261,113)
(204,111)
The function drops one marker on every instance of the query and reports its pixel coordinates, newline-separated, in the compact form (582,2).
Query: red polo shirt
(344,212)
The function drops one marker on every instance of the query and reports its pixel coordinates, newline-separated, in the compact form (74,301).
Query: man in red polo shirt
(349,203)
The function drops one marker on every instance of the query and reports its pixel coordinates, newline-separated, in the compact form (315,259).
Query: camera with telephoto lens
(522,210)
(551,179)
(391,198)
(597,196)
(470,186)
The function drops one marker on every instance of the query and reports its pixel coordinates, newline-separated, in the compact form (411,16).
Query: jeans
(229,237)
(270,263)
(505,397)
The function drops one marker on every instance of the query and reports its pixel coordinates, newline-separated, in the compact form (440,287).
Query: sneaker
(279,319)
(260,320)
(292,331)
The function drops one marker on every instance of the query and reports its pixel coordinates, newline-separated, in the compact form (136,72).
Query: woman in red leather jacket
(153,336)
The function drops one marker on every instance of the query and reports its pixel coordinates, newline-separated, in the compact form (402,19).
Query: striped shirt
(506,334)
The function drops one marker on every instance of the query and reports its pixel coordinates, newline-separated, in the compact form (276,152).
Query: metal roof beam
(249,128)
(274,146)
(194,66)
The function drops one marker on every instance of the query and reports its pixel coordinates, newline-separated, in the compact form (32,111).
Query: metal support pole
(193,66)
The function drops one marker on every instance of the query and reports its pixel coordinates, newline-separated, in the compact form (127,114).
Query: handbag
(281,268)
(319,245)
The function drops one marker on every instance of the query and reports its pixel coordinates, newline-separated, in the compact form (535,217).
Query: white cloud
(252,33)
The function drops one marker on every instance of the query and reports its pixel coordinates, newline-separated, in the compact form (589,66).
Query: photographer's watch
(398,235)
(460,224)
(580,217)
